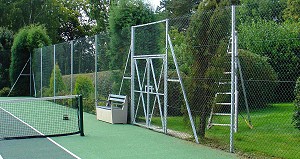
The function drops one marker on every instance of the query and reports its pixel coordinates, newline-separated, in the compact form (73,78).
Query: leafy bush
(4,91)
(258,76)
(277,41)
(84,86)
(296,115)
(60,87)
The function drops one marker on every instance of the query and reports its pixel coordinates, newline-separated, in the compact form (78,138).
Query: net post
(80,115)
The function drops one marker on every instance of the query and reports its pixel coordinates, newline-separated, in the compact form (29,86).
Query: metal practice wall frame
(149,76)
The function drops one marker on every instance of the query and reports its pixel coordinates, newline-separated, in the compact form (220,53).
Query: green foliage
(255,69)
(6,40)
(25,41)
(296,115)
(180,49)
(278,43)
(60,17)
(99,12)
(60,87)
(254,10)
(84,86)
(208,27)
(4,92)
(292,12)
(176,8)
(122,16)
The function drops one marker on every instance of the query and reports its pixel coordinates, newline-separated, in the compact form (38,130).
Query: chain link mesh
(268,55)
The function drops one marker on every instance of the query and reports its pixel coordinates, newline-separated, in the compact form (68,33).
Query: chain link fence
(268,67)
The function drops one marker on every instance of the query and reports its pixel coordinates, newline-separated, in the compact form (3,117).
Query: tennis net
(41,117)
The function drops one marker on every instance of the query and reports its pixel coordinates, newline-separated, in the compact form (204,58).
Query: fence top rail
(161,21)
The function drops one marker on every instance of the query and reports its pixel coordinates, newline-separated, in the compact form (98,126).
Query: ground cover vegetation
(279,116)
(199,46)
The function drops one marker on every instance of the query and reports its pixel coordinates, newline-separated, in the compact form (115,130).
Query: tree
(253,10)
(6,40)
(209,26)
(177,8)
(60,17)
(122,16)
(28,38)
(98,11)
(277,42)
(292,12)
(57,83)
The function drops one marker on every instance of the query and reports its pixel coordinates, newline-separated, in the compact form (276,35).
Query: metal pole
(183,91)
(244,92)
(232,78)
(41,72)
(30,74)
(236,84)
(148,92)
(128,56)
(96,68)
(166,79)
(72,60)
(54,85)
(132,76)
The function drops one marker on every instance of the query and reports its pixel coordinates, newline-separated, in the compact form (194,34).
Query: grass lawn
(273,134)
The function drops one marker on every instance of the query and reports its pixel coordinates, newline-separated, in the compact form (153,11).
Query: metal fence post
(132,76)
(232,127)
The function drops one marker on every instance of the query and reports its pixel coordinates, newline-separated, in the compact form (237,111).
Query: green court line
(108,141)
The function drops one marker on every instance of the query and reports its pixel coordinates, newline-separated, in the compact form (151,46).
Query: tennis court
(101,140)
(38,119)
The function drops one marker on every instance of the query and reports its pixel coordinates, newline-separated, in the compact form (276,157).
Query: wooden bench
(115,110)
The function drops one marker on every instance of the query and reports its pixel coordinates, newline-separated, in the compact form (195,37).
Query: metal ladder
(225,94)
(230,93)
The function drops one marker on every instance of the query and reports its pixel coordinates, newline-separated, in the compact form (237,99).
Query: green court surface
(40,148)
(101,140)
(106,141)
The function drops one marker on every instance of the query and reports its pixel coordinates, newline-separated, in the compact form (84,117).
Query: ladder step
(223,103)
(212,124)
(229,52)
(127,77)
(173,80)
(222,114)
(224,83)
(227,73)
(225,93)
